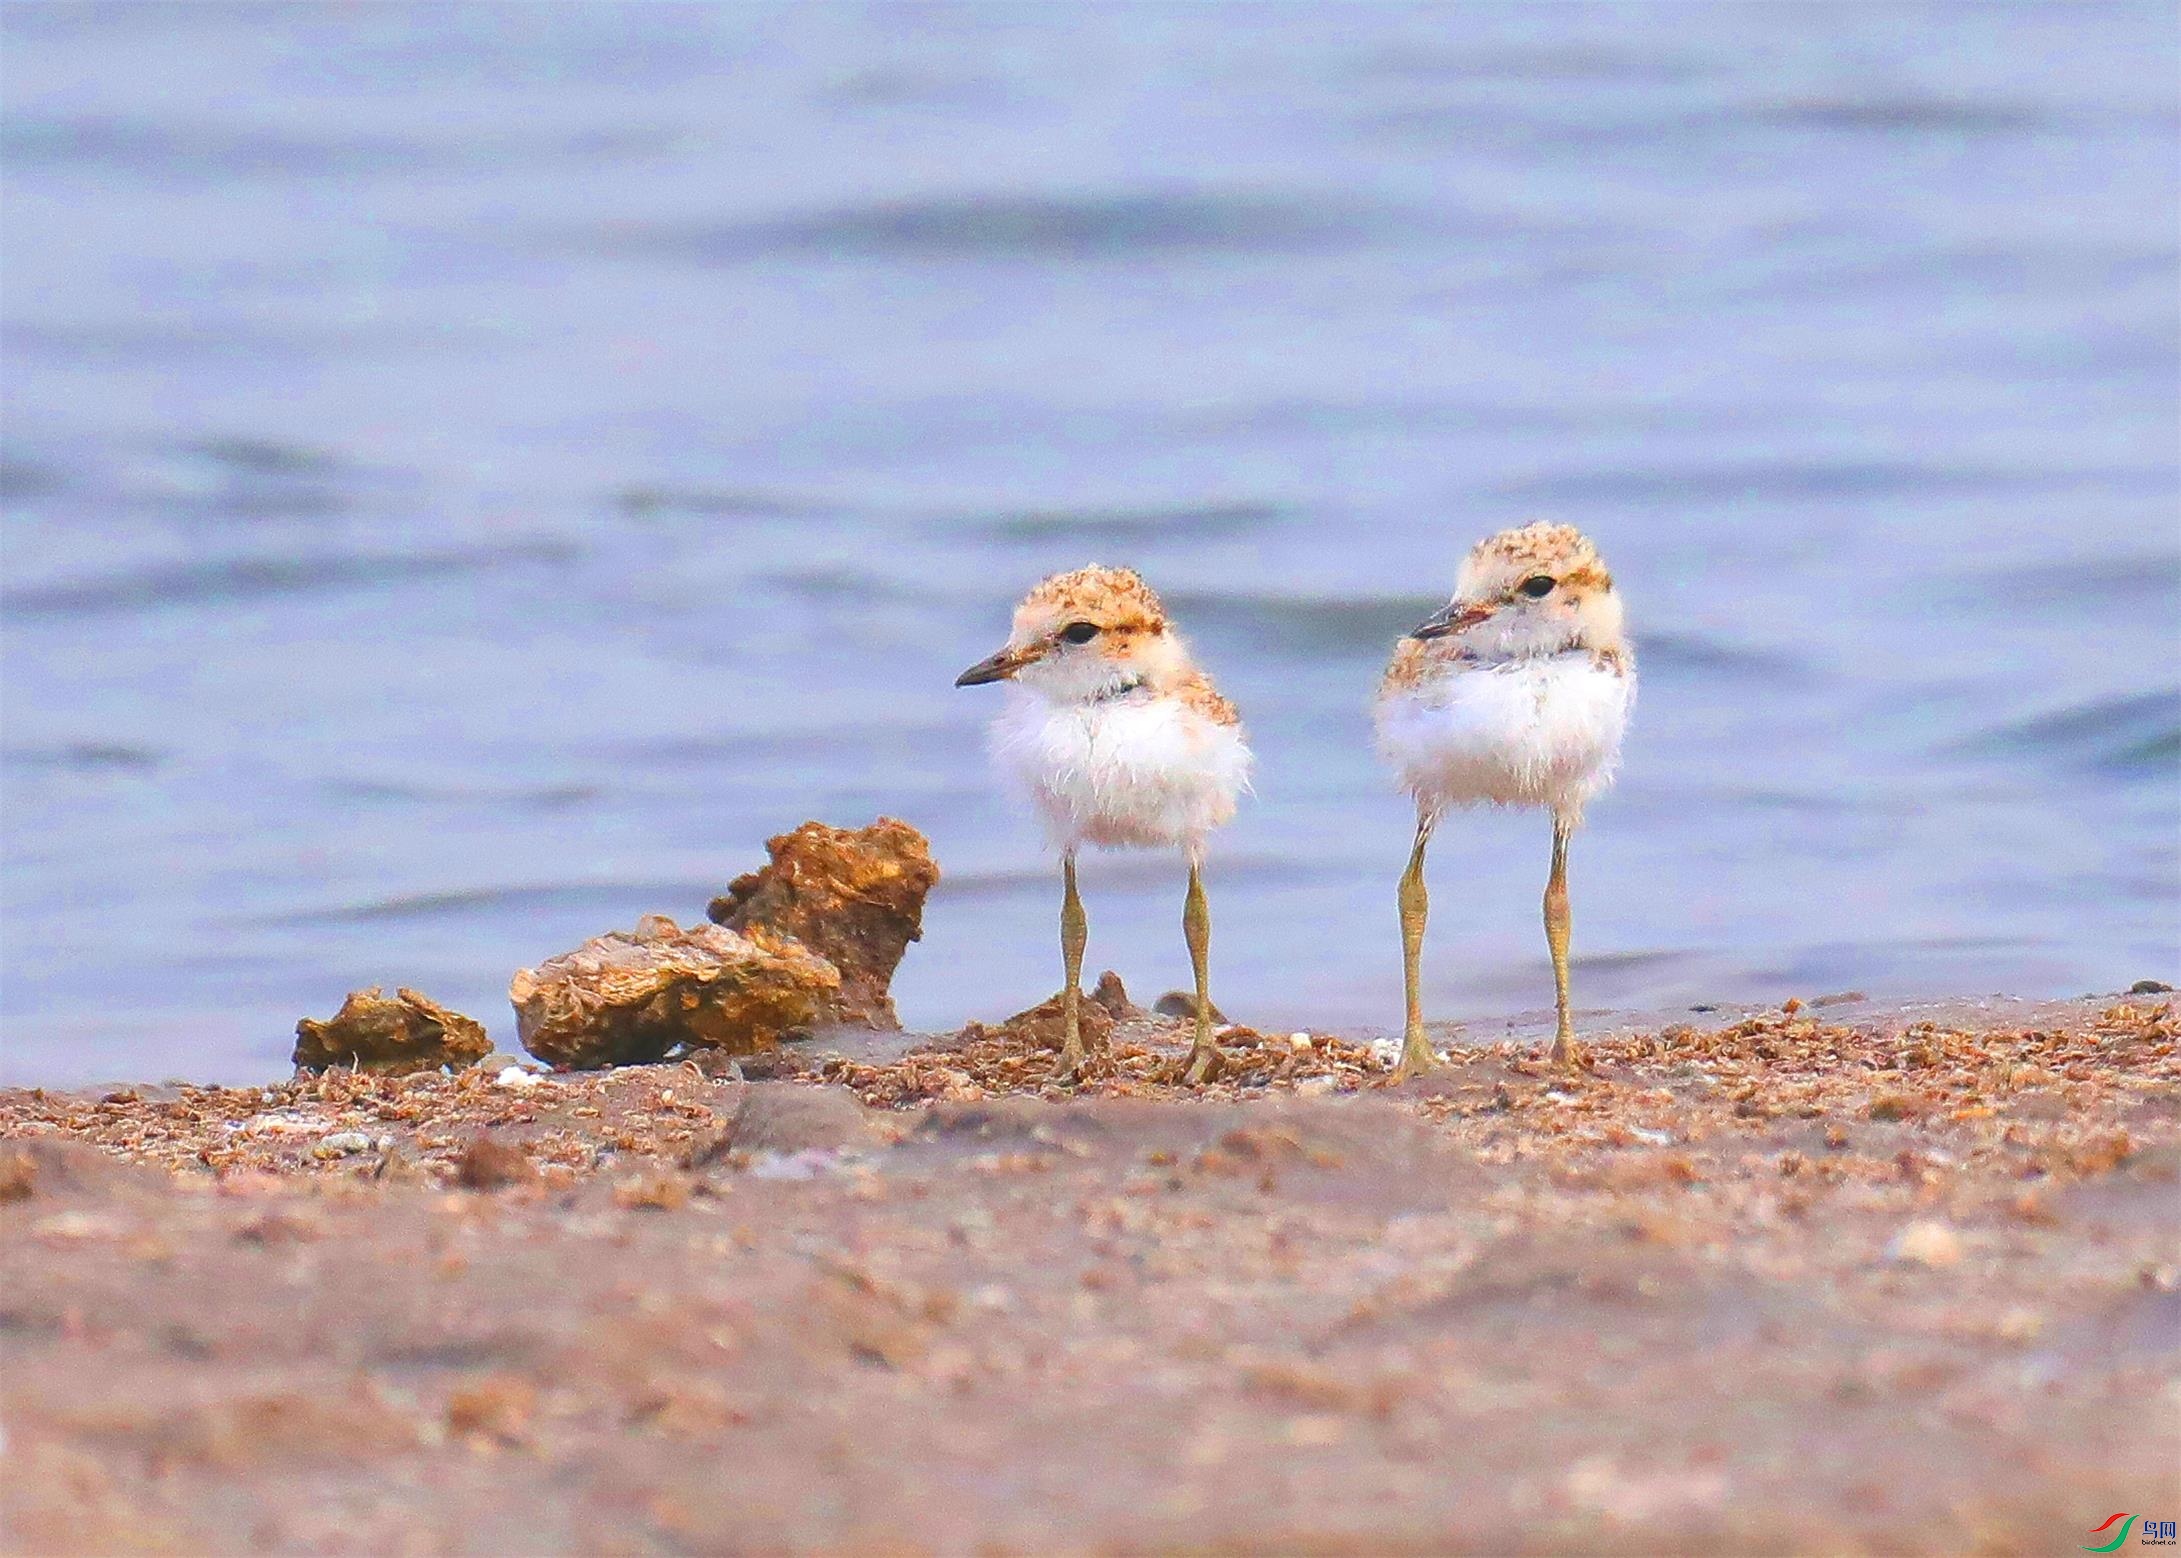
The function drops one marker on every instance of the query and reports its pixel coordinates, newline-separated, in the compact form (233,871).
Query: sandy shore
(1884,1278)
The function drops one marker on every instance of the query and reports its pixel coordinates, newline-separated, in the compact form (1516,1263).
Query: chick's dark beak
(994,668)
(1451,618)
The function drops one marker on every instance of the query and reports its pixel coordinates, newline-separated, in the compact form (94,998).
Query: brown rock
(405,1034)
(652,1193)
(1045,1024)
(45,1166)
(18,1174)
(1101,1008)
(787,1117)
(496,1407)
(278,1427)
(1183,1004)
(854,896)
(1113,996)
(876,1319)
(628,997)
(490,1164)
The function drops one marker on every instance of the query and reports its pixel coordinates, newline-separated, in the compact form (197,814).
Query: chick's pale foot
(1205,1060)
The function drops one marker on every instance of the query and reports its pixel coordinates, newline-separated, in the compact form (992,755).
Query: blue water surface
(472,472)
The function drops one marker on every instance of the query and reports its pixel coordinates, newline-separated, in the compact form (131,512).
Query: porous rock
(407,1033)
(629,997)
(854,896)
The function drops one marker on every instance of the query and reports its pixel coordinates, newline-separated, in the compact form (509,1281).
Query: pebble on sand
(408,1033)
(1926,1243)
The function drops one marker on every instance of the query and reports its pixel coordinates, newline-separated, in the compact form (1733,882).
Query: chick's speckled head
(1538,589)
(1085,634)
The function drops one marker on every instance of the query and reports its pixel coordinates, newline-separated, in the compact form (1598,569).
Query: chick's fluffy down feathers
(1544,731)
(1137,770)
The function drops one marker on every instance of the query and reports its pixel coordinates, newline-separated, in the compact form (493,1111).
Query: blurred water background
(474,472)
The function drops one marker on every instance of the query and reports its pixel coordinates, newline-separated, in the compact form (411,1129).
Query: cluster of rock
(808,941)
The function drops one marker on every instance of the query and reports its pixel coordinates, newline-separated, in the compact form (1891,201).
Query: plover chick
(1120,741)
(1515,693)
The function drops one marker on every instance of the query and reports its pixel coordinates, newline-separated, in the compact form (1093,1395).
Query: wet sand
(1851,1278)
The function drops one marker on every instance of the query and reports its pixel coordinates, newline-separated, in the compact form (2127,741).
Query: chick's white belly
(1544,732)
(1148,772)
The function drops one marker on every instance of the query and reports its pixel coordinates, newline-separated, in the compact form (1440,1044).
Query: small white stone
(1926,1243)
(516,1078)
(76,1228)
(1298,1041)
(342,1143)
(1387,1052)
(281,1125)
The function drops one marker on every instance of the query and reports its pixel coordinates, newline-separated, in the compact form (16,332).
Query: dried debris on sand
(1898,1279)
(408,1033)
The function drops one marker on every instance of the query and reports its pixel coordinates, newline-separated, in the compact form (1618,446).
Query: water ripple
(1758,479)
(255,578)
(542,797)
(2138,734)
(1360,626)
(607,898)
(1025,227)
(210,151)
(2151,578)
(666,500)
(87,757)
(1917,115)
(1197,521)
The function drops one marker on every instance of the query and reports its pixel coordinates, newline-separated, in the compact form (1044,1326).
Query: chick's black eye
(1537,587)
(1079,632)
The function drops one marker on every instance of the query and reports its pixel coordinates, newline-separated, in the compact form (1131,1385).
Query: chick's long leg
(1196,925)
(1564,1051)
(1074,933)
(1415,903)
